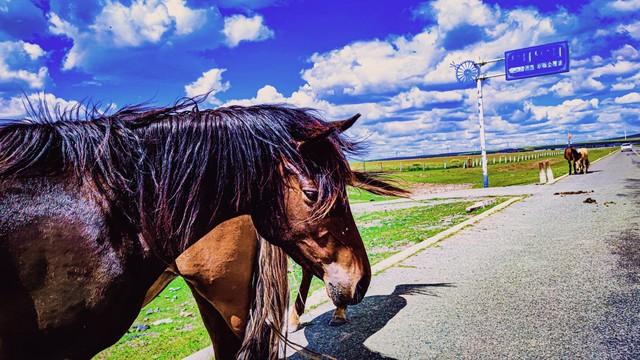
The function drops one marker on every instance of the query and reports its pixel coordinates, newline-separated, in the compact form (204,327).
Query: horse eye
(312,195)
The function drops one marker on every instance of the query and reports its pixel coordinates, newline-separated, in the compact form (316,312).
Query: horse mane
(142,158)
(263,333)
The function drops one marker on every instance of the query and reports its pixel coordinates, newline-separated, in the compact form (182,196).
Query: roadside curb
(594,161)
(319,296)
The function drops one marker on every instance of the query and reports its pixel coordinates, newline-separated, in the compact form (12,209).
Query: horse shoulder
(65,265)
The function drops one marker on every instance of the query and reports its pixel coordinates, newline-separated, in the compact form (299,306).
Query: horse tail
(264,338)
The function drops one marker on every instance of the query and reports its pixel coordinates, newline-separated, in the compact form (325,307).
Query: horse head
(320,232)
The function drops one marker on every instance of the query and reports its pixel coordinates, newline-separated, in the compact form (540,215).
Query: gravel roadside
(548,277)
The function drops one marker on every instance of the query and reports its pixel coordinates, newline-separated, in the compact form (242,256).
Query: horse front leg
(569,161)
(301,299)
(339,316)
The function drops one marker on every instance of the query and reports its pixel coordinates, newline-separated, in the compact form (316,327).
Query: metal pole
(483,149)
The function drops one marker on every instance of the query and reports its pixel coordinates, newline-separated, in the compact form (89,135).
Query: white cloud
(238,28)
(143,21)
(623,86)
(13,108)
(416,98)
(633,29)
(210,82)
(624,5)
(569,111)
(632,97)
(24,53)
(627,52)
(570,86)
(402,62)
(81,41)
(617,68)
(450,14)
(34,50)
(374,66)
(187,20)
(608,117)
(119,26)
(563,88)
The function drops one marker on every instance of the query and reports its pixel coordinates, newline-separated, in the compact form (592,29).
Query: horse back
(583,153)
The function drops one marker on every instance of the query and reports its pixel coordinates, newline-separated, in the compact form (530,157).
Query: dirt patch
(563,193)
(590,201)
(426,188)
(372,223)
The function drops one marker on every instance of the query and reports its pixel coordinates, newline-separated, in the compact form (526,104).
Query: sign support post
(519,64)
(483,147)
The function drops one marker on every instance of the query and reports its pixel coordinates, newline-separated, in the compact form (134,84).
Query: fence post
(543,174)
(549,171)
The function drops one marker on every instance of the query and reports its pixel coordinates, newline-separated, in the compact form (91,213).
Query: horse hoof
(337,322)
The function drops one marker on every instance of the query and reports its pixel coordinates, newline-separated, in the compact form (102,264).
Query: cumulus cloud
(625,5)
(14,107)
(23,54)
(142,21)
(569,111)
(627,52)
(623,86)
(238,28)
(187,20)
(633,29)
(450,14)
(402,62)
(118,26)
(210,82)
(81,41)
(373,66)
(632,97)
(146,21)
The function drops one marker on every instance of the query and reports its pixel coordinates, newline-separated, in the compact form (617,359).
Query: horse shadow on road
(365,319)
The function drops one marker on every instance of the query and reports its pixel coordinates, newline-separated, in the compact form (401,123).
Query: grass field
(170,327)
(500,174)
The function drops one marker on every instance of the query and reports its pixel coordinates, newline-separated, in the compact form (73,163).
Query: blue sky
(388,60)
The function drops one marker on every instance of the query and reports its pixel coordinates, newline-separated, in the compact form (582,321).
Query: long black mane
(160,164)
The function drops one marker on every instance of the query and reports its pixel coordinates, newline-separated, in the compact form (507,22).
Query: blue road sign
(537,60)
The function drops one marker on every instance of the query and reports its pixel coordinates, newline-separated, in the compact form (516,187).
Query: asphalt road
(548,277)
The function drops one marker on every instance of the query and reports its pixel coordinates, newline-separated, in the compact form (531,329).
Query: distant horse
(571,155)
(582,164)
(93,211)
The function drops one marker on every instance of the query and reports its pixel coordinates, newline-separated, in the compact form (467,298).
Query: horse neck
(192,183)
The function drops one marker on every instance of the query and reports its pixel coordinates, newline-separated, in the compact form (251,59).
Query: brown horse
(209,274)
(582,163)
(93,208)
(571,155)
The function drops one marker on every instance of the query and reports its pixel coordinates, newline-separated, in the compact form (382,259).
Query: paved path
(548,277)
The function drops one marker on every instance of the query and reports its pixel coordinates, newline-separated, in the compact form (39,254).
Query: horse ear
(339,126)
(343,125)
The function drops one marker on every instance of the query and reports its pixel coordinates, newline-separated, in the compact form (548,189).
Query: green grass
(384,234)
(185,334)
(500,174)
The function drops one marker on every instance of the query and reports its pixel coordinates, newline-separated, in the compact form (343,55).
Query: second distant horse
(582,164)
